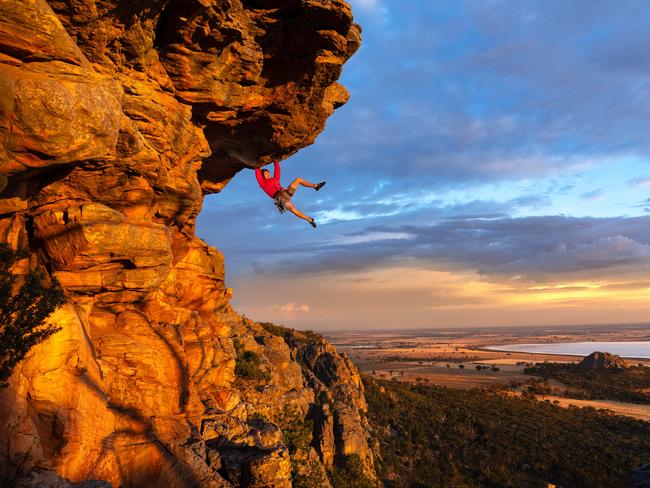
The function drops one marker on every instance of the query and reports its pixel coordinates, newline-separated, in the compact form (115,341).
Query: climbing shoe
(319,185)
(312,222)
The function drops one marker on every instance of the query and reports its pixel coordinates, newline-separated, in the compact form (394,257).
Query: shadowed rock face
(115,119)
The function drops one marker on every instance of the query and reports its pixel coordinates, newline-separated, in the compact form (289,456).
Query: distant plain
(459,358)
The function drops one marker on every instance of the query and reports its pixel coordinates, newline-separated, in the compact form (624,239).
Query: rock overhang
(258,78)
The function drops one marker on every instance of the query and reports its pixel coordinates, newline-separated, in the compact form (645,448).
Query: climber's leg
(292,208)
(285,199)
(299,181)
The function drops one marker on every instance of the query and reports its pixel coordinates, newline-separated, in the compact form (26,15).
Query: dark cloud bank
(531,248)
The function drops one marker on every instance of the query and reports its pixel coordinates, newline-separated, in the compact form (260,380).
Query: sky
(492,168)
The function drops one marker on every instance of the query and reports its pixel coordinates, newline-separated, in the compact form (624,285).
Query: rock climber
(282,196)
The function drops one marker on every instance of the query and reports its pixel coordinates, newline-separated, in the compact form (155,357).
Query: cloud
(593,195)
(456,93)
(604,252)
(528,249)
(289,307)
(645,205)
(639,182)
(414,296)
(474,135)
(368,5)
(371,237)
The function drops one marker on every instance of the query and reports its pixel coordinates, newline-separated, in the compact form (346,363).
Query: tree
(248,364)
(296,430)
(23,312)
(350,473)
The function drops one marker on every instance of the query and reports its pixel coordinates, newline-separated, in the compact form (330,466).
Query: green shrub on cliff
(349,473)
(23,312)
(313,478)
(248,365)
(297,436)
(293,337)
(277,330)
(296,430)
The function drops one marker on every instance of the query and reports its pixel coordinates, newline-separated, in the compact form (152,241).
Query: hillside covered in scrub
(435,436)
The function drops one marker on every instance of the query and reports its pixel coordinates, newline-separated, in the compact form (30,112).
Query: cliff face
(115,119)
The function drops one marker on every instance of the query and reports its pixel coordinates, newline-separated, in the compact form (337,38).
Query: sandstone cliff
(115,119)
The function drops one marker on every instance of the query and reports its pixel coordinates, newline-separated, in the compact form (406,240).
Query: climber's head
(266,174)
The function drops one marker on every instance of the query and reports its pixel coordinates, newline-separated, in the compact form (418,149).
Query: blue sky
(491,152)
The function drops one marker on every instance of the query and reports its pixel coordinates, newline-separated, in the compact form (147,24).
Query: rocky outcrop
(115,118)
(602,360)
(304,387)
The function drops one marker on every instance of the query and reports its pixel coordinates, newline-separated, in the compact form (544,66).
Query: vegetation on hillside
(24,310)
(296,430)
(630,384)
(248,365)
(431,436)
(349,473)
(293,337)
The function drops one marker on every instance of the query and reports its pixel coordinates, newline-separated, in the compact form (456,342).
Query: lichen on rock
(115,119)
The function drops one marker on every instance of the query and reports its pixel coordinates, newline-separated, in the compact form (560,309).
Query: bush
(296,431)
(247,365)
(23,312)
(312,479)
(349,473)
(277,330)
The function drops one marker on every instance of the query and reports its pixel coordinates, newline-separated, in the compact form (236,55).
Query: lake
(639,349)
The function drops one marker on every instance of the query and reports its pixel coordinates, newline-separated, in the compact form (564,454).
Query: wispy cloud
(370,6)
(639,182)
(289,307)
(371,237)
(597,194)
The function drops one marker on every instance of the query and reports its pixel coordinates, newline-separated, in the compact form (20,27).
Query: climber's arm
(276,170)
(258,176)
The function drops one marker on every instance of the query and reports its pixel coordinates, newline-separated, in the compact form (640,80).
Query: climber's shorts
(284,196)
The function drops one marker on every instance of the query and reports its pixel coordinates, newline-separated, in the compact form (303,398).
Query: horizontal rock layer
(115,119)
